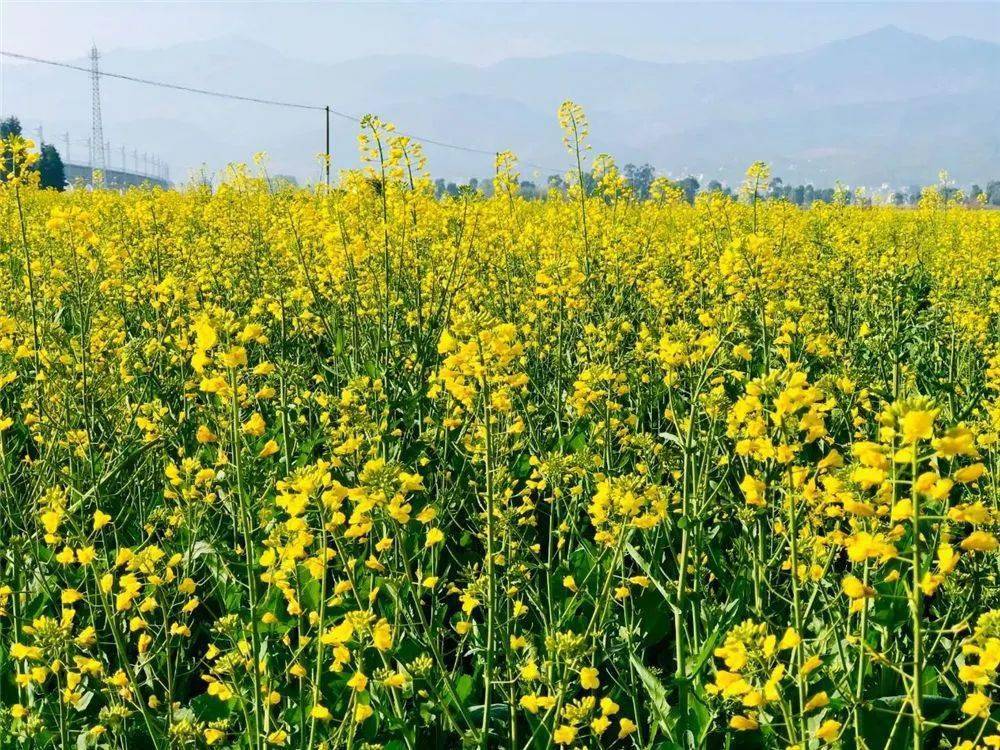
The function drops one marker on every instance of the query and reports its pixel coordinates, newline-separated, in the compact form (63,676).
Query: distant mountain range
(885,107)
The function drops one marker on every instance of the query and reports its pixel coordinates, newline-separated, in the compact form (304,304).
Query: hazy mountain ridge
(886,106)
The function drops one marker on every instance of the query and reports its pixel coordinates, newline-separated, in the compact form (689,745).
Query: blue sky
(479,33)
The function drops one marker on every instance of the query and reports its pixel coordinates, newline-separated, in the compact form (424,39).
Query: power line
(260,100)
(161,84)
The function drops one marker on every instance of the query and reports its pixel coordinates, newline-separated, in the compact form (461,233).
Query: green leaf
(577,441)
(670,437)
(209,708)
(463,687)
(657,693)
(722,625)
(81,705)
(647,569)
(653,626)
(876,731)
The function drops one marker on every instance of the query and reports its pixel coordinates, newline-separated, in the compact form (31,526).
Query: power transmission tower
(66,137)
(41,136)
(98,163)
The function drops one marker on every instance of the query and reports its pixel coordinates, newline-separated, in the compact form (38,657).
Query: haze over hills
(885,107)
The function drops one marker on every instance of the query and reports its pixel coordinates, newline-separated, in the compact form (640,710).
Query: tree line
(51,172)
(640,179)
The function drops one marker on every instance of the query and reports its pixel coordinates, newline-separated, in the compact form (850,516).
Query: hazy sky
(477,32)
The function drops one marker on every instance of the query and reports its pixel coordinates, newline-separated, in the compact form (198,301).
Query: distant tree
(949,192)
(528,189)
(439,187)
(49,165)
(280,181)
(690,187)
(975,192)
(777,188)
(714,186)
(993,192)
(50,168)
(556,181)
(452,189)
(9,127)
(639,179)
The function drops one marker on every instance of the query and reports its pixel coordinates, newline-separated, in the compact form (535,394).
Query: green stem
(251,579)
(916,602)
(793,532)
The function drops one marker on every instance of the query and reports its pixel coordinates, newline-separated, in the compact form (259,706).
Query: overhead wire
(259,100)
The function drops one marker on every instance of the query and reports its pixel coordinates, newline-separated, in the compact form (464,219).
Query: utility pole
(145,163)
(41,136)
(124,168)
(326,161)
(96,128)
